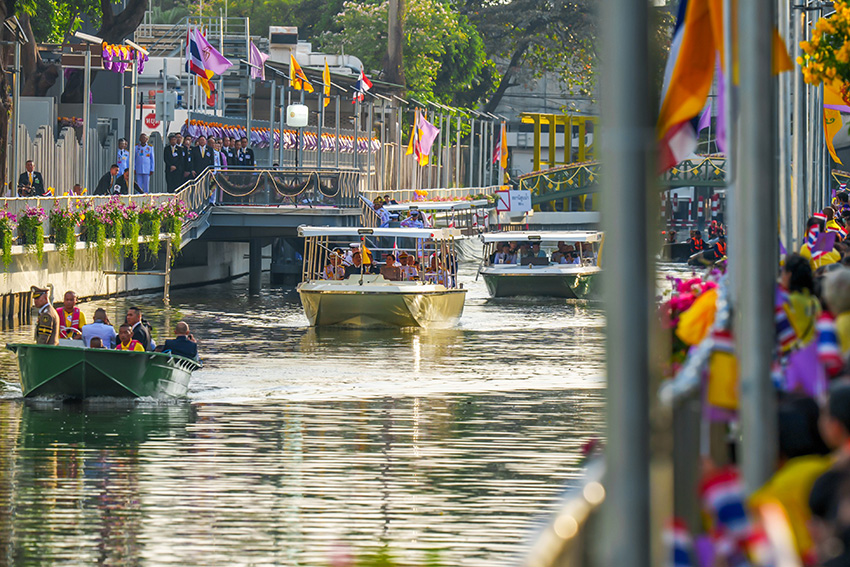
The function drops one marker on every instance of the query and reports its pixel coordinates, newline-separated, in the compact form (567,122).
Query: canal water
(304,447)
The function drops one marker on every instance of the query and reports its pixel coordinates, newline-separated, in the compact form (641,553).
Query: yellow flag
(326,78)
(297,78)
(831,126)
(781,59)
(413,130)
(503,152)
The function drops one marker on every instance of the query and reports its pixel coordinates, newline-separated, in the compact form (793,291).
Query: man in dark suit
(183,344)
(187,159)
(140,330)
(30,182)
(202,157)
(245,155)
(123,185)
(107,183)
(173,157)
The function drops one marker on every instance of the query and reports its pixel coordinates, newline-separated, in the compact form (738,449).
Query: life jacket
(697,243)
(721,247)
(75,321)
(130,346)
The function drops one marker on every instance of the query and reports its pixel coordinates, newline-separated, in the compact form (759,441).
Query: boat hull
(580,285)
(382,308)
(70,372)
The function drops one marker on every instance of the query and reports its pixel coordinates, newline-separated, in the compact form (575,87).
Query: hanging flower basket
(31,230)
(63,225)
(7,225)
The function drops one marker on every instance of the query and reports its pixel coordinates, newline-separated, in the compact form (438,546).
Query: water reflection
(296,441)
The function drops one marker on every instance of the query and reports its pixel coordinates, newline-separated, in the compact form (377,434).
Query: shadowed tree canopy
(444,57)
(312,17)
(533,37)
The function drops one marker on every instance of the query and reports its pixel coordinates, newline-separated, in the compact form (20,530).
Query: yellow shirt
(69,319)
(833,225)
(136,347)
(790,487)
(830,257)
(803,310)
(842,327)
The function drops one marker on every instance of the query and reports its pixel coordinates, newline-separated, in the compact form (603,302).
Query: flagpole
(272,89)
(356,126)
(471,146)
(319,130)
(457,151)
(300,154)
(282,110)
(336,142)
(502,148)
(369,146)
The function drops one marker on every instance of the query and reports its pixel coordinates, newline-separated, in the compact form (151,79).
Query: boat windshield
(398,259)
(541,253)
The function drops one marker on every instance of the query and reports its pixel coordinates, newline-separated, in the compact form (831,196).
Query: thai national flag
(362,85)
(680,544)
(723,498)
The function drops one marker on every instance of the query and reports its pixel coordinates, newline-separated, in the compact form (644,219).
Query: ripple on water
(296,442)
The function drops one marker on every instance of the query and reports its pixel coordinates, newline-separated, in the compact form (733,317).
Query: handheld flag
(297,78)
(326,89)
(258,60)
(362,85)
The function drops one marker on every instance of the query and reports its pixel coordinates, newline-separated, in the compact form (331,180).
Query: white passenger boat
(335,291)
(541,272)
(471,218)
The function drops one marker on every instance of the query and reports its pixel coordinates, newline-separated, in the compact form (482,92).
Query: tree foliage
(311,17)
(444,55)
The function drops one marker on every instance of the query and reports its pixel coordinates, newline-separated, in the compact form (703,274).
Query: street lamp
(131,165)
(89,39)
(14,26)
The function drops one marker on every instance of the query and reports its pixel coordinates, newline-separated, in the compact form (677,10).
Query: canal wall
(198,263)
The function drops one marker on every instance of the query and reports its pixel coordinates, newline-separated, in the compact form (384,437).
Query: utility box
(165,105)
(297,115)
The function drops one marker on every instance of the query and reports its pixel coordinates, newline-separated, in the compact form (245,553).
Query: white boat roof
(438,205)
(543,236)
(357,231)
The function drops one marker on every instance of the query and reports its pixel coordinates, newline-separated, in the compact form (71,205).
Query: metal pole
(457,153)
(471,145)
(272,88)
(300,149)
(754,249)
(385,130)
(336,143)
(131,143)
(439,144)
(86,105)
(369,146)
(784,127)
(319,131)
(250,106)
(16,124)
(220,97)
(356,130)
(799,159)
(282,124)
(628,142)
(447,148)
(398,152)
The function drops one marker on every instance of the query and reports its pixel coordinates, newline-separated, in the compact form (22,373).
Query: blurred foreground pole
(754,245)
(628,140)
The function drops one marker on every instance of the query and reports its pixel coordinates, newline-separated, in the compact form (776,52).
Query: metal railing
(437,194)
(567,539)
(368,216)
(294,187)
(172,35)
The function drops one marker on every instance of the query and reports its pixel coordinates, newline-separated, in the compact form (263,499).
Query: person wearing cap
(414,220)
(173,157)
(334,269)
(71,319)
(100,329)
(145,163)
(47,322)
(409,271)
(123,156)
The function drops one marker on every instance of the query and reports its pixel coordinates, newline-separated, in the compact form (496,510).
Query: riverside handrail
(567,539)
(403,195)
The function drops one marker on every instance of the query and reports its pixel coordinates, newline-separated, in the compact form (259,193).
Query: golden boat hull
(379,303)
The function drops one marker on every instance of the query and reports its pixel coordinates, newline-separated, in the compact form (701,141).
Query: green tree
(533,37)
(444,57)
(312,18)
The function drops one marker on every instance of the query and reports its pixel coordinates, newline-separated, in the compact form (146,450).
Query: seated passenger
(696,243)
(357,266)
(415,220)
(574,258)
(558,258)
(100,329)
(504,256)
(391,270)
(409,271)
(126,341)
(95,342)
(334,269)
(183,344)
(536,252)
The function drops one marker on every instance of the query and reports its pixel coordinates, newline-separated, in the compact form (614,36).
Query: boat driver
(47,323)
(71,319)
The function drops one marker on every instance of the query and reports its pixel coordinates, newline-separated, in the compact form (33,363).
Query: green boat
(543,276)
(75,372)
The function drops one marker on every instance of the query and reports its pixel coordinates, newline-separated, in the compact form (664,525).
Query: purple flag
(429,133)
(721,108)
(825,243)
(705,119)
(258,59)
(805,373)
(213,60)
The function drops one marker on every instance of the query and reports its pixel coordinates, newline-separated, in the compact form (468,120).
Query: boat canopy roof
(543,236)
(438,205)
(357,231)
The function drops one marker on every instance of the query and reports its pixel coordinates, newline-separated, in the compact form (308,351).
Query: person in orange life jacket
(71,319)
(718,251)
(126,340)
(715,230)
(140,331)
(696,242)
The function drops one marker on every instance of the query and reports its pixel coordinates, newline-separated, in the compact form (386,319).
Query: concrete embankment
(90,276)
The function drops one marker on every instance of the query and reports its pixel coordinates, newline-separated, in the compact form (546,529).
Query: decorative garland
(119,58)
(295,188)
(260,137)
(222,180)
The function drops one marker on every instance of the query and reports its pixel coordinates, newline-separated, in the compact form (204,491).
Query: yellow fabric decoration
(722,389)
(695,323)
